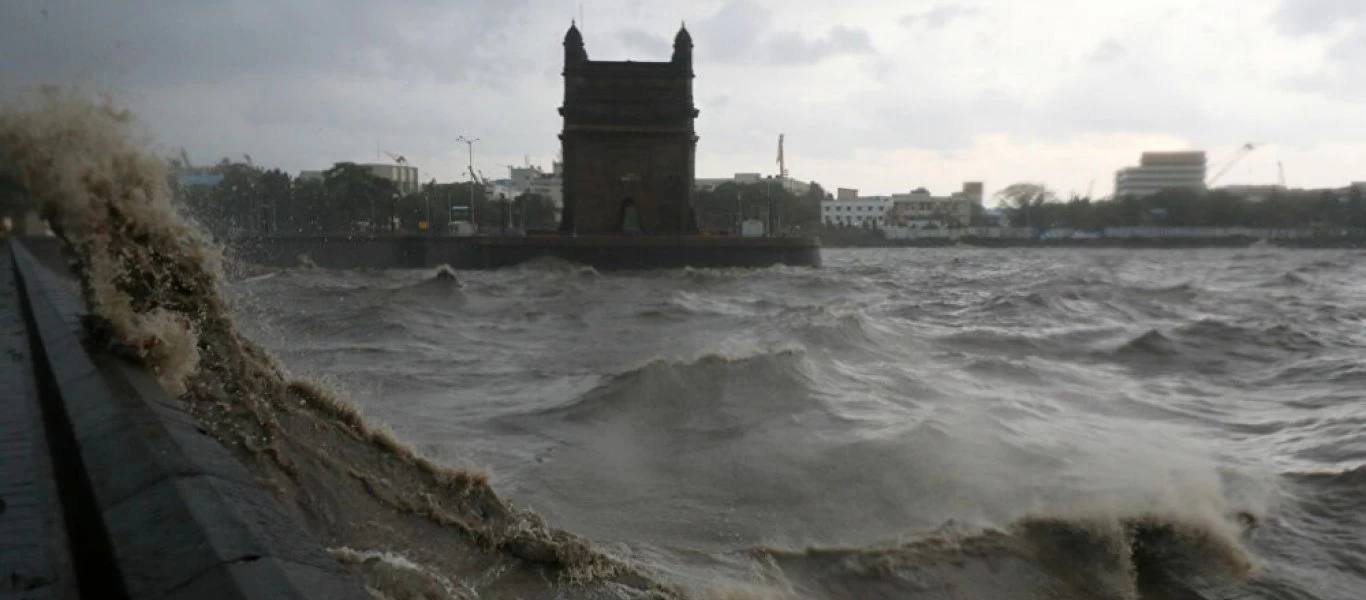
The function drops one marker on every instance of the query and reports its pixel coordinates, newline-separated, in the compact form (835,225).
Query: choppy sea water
(859,430)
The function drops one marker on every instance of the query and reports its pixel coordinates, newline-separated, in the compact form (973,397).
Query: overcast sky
(881,95)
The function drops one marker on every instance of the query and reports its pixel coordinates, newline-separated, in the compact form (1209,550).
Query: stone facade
(628,142)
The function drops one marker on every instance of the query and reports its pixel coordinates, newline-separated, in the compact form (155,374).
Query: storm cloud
(882,96)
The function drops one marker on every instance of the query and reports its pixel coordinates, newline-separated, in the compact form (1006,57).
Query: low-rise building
(870,211)
(921,209)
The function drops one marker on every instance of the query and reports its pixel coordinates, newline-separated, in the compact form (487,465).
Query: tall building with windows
(1159,171)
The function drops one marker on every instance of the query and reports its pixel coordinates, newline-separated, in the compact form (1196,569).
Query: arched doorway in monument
(629,220)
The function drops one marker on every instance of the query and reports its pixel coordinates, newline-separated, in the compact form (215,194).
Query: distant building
(922,209)
(532,179)
(789,184)
(918,209)
(197,178)
(709,183)
(1158,171)
(868,211)
(551,187)
(1253,193)
(799,188)
(520,178)
(405,177)
(973,190)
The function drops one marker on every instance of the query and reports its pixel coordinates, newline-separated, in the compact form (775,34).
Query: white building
(549,187)
(1158,171)
(710,183)
(536,181)
(868,211)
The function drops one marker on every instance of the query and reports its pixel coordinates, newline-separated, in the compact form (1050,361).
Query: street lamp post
(474,223)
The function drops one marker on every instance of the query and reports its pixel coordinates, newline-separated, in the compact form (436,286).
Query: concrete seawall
(602,252)
(108,489)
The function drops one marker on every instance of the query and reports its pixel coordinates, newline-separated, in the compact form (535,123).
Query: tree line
(349,199)
(724,207)
(1033,205)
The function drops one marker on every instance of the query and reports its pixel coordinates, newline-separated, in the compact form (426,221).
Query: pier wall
(602,252)
(108,489)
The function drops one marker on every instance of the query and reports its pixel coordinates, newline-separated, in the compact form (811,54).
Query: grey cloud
(1107,51)
(646,43)
(147,42)
(1344,72)
(730,34)
(941,15)
(739,32)
(1131,92)
(299,84)
(791,48)
(1308,17)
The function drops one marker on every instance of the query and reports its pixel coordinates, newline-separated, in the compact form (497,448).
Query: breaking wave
(976,382)
(1082,556)
(154,286)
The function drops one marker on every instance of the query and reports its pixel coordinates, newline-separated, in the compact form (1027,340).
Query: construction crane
(1229,163)
(478,177)
(782,164)
(398,159)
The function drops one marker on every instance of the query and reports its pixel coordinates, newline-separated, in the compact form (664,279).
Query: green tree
(534,212)
(274,189)
(1022,201)
(358,199)
(306,211)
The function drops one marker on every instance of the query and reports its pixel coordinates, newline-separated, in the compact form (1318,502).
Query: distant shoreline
(1323,243)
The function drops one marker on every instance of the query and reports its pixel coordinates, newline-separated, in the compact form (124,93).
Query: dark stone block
(148,492)
(168,534)
(269,579)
